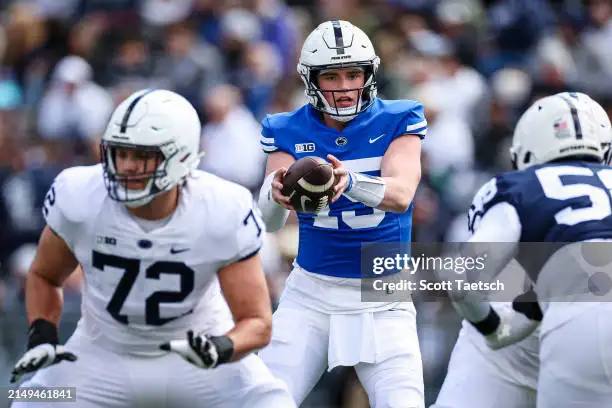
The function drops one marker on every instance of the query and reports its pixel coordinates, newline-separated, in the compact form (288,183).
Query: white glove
(39,357)
(203,351)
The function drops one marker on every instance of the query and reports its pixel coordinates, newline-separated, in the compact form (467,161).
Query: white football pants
(382,346)
(105,379)
(576,361)
(479,377)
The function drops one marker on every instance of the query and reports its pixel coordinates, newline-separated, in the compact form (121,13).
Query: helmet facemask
(157,180)
(365,97)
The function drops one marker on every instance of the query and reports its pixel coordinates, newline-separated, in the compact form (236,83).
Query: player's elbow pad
(273,214)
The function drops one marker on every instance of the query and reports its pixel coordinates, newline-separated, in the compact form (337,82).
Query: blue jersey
(556,203)
(330,241)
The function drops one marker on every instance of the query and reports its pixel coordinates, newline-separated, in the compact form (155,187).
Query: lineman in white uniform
(153,235)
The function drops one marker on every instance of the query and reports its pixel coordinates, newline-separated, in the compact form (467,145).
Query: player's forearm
(250,335)
(398,195)
(391,194)
(44,300)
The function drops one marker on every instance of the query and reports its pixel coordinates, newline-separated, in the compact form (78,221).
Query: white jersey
(145,288)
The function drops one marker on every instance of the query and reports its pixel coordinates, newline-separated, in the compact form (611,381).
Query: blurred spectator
(164,12)
(599,37)
(86,35)
(278,28)
(239,27)
(449,144)
(258,76)
(188,66)
(64,9)
(458,22)
(494,139)
(464,88)
(74,108)
(230,139)
(132,61)
(515,27)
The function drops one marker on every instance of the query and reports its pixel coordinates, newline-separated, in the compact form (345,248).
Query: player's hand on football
(39,357)
(200,350)
(340,175)
(277,187)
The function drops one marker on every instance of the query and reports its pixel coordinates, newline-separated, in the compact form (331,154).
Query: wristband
(42,331)
(224,346)
(350,182)
(369,190)
(489,324)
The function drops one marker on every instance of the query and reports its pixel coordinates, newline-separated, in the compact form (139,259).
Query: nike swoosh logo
(304,200)
(178,251)
(375,139)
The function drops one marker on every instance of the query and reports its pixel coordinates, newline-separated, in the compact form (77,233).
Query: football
(309,184)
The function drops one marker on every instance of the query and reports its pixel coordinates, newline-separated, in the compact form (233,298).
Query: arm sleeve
(414,122)
(495,227)
(496,231)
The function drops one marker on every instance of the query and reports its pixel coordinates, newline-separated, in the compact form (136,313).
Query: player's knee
(398,398)
(393,388)
(272,394)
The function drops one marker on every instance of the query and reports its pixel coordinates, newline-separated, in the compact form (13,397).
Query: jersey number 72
(131,268)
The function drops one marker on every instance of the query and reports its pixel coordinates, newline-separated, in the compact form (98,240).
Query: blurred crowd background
(474,65)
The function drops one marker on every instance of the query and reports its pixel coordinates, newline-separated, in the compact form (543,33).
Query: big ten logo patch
(304,147)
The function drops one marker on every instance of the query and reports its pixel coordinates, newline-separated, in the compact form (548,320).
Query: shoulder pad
(276,127)
(502,188)
(409,114)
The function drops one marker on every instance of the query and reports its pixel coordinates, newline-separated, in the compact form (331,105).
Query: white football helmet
(332,45)
(152,120)
(556,127)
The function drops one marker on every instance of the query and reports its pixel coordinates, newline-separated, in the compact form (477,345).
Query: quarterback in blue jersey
(561,194)
(374,147)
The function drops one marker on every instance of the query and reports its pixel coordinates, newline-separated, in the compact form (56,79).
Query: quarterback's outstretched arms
(393,191)
(52,265)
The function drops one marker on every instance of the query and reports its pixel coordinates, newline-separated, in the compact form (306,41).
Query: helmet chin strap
(139,203)
(342,114)
(146,199)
